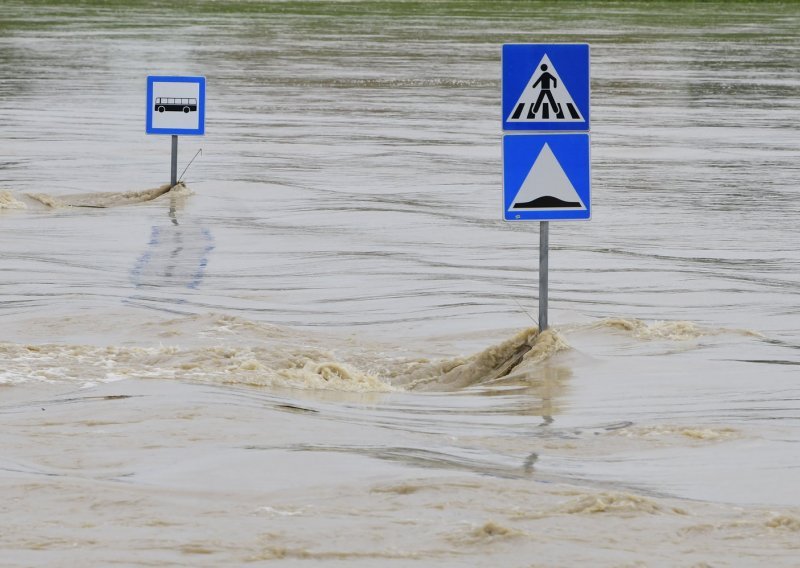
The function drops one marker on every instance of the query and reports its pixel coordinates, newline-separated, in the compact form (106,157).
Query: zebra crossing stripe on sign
(545,98)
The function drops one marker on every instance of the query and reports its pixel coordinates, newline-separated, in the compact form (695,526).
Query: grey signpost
(546,177)
(544,253)
(173,178)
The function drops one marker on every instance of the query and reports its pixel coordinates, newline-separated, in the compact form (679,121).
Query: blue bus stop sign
(176,105)
(545,87)
(546,177)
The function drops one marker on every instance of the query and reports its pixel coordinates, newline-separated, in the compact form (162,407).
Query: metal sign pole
(544,242)
(174,177)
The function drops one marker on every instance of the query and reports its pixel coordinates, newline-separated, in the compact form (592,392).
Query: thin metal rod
(174,177)
(544,254)
(199,153)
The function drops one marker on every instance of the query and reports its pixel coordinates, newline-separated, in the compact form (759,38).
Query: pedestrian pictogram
(545,98)
(546,177)
(546,87)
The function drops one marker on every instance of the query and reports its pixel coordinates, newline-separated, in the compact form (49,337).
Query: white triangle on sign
(545,98)
(547,187)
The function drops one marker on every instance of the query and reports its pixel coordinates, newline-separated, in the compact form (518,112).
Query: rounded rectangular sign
(176,105)
(546,177)
(545,86)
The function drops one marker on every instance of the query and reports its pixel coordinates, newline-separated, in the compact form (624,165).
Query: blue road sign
(546,177)
(545,87)
(176,105)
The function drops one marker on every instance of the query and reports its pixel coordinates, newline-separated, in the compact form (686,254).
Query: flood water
(321,350)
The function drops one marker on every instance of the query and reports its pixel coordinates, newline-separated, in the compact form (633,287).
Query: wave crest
(109,199)
(513,357)
(233,351)
(8,201)
(671,330)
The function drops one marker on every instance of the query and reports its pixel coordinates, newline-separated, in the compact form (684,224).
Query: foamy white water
(320,349)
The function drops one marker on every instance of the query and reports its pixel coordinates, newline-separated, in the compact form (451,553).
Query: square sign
(176,105)
(546,177)
(545,86)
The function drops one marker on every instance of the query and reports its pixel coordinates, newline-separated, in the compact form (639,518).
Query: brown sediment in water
(489,532)
(8,201)
(272,356)
(784,522)
(662,431)
(615,503)
(524,350)
(108,199)
(670,330)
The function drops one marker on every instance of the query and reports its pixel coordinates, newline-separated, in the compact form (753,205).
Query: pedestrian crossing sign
(546,177)
(545,87)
